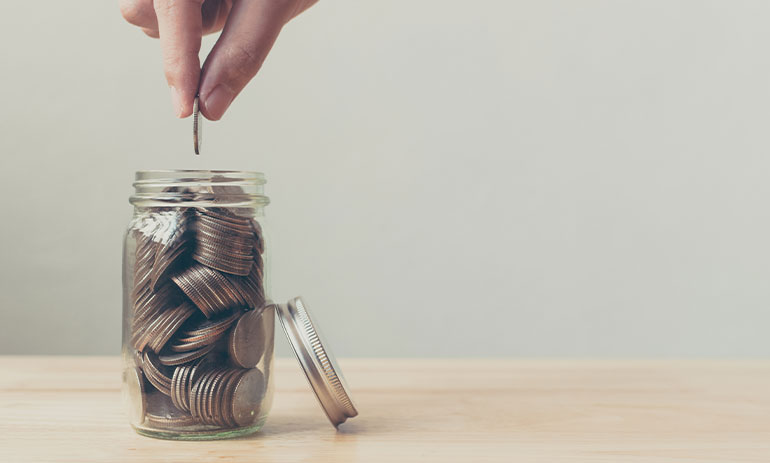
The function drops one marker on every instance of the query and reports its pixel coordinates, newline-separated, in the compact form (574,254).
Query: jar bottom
(214,434)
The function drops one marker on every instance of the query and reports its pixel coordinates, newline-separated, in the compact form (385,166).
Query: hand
(249,29)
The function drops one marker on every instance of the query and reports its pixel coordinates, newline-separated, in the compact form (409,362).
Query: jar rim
(162,188)
(160,175)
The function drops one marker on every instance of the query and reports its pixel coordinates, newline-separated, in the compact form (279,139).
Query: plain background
(448,178)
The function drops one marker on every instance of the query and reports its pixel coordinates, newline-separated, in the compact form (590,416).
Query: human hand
(249,29)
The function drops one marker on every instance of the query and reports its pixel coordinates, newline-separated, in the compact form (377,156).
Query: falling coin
(197,126)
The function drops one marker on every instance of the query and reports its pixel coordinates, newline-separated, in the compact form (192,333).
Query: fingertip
(181,103)
(151,33)
(214,104)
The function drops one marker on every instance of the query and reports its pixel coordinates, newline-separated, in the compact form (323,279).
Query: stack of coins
(199,326)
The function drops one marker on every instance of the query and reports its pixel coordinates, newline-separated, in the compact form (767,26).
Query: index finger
(180,25)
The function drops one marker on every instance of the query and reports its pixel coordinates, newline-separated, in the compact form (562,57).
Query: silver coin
(197,126)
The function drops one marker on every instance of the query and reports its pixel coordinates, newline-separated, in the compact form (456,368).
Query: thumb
(248,36)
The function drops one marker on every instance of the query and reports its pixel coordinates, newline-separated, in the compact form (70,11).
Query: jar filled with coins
(198,322)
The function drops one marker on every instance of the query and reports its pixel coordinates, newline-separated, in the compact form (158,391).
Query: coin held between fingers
(197,126)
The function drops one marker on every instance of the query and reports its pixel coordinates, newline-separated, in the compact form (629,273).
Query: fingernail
(176,101)
(217,102)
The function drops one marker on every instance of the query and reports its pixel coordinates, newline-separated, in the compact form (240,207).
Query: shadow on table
(286,426)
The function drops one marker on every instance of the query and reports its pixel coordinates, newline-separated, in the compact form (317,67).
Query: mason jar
(197,330)
(198,321)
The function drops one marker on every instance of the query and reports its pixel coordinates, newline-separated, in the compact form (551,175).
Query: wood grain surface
(69,409)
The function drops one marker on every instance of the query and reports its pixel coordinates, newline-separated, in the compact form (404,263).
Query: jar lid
(317,361)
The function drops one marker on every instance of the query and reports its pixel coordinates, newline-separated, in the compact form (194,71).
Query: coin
(247,396)
(203,334)
(226,190)
(209,290)
(211,396)
(133,384)
(184,357)
(250,287)
(176,379)
(200,398)
(208,327)
(246,344)
(163,413)
(160,327)
(180,315)
(156,377)
(219,411)
(172,420)
(195,389)
(194,364)
(197,126)
(227,399)
(193,345)
(179,387)
(172,238)
(164,264)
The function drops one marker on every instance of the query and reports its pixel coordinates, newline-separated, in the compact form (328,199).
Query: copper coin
(165,264)
(211,396)
(225,247)
(203,396)
(171,420)
(206,327)
(184,357)
(181,387)
(177,318)
(211,292)
(225,222)
(159,328)
(189,346)
(223,265)
(227,398)
(158,404)
(184,343)
(175,388)
(214,284)
(157,377)
(195,392)
(226,190)
(219,411)
(222,215)
(247,396)
(247,340)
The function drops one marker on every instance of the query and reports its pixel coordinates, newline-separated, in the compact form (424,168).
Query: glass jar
(198,322)
(198,326)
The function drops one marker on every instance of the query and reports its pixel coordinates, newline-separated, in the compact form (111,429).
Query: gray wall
(541,178)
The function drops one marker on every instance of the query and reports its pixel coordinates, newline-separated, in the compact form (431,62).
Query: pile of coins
(199,327)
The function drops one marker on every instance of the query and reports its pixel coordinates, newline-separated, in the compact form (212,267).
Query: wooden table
(70,409)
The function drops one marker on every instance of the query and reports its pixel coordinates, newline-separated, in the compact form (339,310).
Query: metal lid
(317,361)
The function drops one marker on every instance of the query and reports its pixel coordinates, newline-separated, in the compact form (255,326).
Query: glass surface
(197,337)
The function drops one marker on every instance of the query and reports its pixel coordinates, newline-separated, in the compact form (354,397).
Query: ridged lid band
(318,363)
